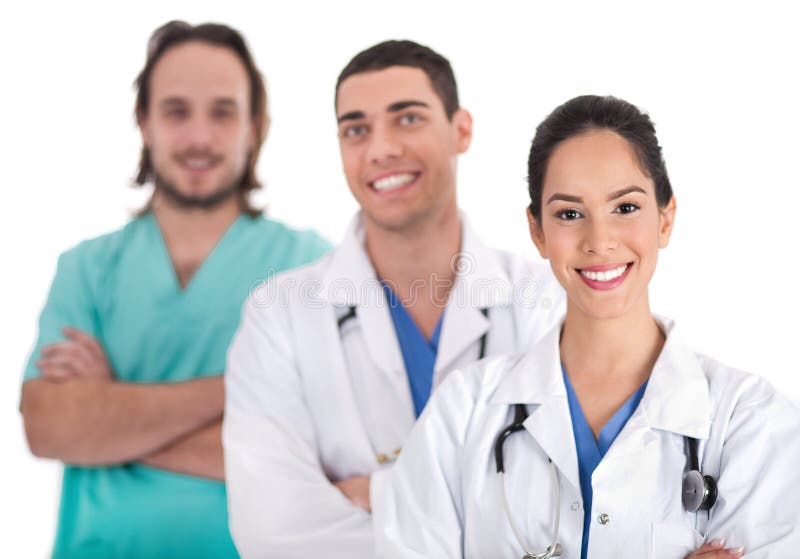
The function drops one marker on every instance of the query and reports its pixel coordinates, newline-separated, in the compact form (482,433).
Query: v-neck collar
(610,430)
(400,314)
(207,261)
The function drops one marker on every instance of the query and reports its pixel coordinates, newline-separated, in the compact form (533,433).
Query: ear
(462,124)
(666,220)
(537,235)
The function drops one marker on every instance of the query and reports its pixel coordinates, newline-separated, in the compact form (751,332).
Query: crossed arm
(78,413)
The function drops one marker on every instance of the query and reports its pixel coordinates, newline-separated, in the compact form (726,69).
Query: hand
(80,356)
(356,489)
(716,550)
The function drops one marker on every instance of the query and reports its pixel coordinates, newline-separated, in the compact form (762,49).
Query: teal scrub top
(122,289)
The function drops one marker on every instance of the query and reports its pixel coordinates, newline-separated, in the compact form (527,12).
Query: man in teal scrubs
(124,384)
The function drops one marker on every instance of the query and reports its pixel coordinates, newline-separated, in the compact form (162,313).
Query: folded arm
(78,413)
(93,422)
(759,480)
(281,502)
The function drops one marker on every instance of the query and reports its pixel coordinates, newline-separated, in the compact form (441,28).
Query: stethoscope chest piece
(699,491)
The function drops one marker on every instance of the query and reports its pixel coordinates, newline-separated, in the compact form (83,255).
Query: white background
(718,80)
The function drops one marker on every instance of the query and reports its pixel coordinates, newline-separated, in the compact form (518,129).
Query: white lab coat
(308,402)
(442,499)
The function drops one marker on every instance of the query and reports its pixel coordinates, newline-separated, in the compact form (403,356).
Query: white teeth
(608,275)
(392,182)
(198,163)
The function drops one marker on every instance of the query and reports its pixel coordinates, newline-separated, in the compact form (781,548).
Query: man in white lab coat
(333,362)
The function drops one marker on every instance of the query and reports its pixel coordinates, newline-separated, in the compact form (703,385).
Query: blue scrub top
(419,354)
(591,451)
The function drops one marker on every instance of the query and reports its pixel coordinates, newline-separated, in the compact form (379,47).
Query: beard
(195,202)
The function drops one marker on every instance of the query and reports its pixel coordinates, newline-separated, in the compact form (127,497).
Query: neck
(196,226)
(418,263)
(621,349)
(191,234)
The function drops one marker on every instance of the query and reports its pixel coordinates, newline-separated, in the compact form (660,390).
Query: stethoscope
(381,457)
(699,492)
(351,315)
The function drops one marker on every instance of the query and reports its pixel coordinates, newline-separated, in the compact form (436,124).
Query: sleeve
(69,303)
(420,511)
(759,480)
(281,504)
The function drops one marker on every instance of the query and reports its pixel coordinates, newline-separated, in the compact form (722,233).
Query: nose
(199,133)
(600,237)
(384,146)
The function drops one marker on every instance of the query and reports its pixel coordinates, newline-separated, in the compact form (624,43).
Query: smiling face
(601,227)
(398,147)
(198,128)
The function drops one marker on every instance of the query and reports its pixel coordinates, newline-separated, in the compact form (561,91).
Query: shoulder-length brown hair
(175,33)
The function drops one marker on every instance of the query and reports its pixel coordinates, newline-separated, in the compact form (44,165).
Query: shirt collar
(481,279)
(676,398)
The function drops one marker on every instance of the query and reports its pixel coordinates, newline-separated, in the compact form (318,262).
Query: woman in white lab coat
(617,440)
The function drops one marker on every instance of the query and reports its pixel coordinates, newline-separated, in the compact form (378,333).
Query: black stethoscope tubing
(351,315)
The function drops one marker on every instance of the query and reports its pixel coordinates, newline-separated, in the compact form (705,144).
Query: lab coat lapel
(677,394)
(351,281)
(481,283)
(536,380)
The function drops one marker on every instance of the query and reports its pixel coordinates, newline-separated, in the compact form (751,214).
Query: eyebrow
(393,108)
(352,115)
(613,196)
(226,101)
(400,105)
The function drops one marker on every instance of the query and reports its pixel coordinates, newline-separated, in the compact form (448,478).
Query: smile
(198,164)
(605,277)
(393,182)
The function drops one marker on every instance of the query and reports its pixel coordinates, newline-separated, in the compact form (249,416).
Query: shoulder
(734,393)
(95,256)
(305,244)
(477,382)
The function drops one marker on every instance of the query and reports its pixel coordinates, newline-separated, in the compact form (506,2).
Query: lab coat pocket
(673,541)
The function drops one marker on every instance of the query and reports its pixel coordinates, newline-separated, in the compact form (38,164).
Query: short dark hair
(593,112)
(407,53)
(175,33)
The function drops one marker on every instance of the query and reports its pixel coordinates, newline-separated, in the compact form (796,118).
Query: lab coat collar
(350,279)
(676,398)
(481,283)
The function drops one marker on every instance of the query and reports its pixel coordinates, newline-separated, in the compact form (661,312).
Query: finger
(54,349)
(86,340)
(709,546)
(725,553)
(60,361)
(54,372)
(78,356)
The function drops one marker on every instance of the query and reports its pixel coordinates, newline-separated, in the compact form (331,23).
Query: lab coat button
(604,519)
(576,505)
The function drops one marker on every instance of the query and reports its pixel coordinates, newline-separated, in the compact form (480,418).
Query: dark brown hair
(408,53)
(175,33)
(594,112)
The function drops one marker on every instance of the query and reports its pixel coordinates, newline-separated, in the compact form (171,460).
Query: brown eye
(354,131)
(570,214)
(626,208)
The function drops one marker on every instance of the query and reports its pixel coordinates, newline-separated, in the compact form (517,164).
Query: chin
(609,309)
